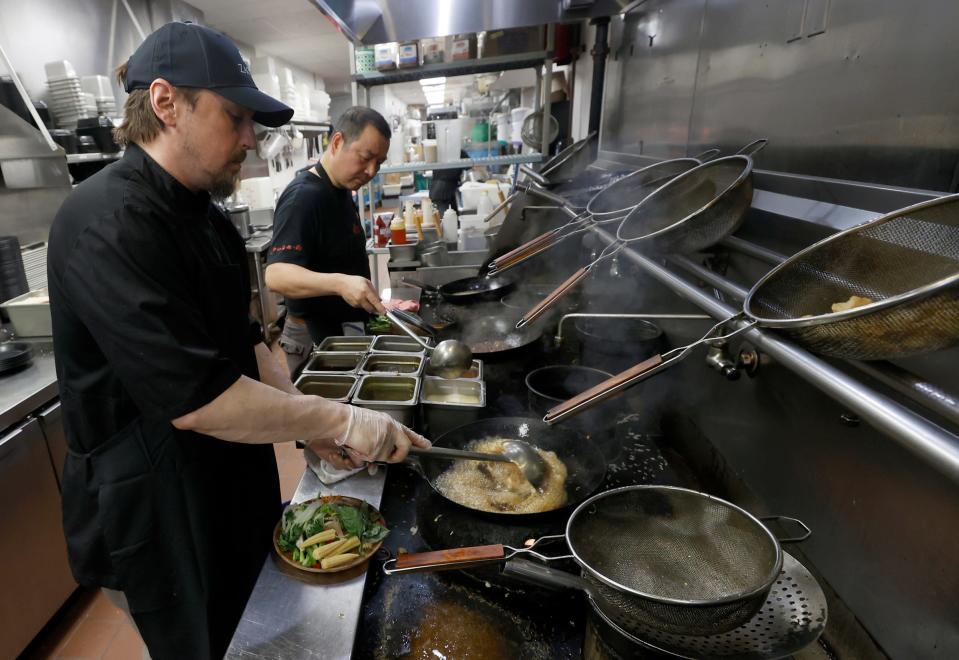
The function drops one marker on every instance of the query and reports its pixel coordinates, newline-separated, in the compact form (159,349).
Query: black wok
(584,461)
(468,289)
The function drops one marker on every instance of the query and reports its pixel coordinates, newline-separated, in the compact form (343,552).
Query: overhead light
(433,82)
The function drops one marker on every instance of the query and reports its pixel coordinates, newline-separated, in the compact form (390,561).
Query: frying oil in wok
(501,487)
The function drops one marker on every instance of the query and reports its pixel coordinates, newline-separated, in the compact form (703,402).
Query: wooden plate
(341,499)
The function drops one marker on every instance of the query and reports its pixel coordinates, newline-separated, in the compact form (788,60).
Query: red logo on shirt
(286,248)
(356,230)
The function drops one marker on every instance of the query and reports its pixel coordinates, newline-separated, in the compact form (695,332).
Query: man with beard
(318,261)
(170,398)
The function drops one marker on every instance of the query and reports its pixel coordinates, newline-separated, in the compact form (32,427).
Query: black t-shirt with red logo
(316,226)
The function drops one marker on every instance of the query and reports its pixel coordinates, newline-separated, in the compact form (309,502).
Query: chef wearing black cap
(170,399)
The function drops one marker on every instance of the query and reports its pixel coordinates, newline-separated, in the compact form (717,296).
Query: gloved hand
(375,436)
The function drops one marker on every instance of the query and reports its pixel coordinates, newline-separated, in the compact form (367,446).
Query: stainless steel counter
(28,389)
(293,615)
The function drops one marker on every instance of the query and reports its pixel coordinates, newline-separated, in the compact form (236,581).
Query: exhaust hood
(368,22)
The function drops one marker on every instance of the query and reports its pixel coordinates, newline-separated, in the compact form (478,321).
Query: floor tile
(102,609)
(127,644)
(89,641)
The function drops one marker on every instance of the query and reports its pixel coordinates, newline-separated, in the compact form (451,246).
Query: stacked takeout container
(104,102)
(67,100)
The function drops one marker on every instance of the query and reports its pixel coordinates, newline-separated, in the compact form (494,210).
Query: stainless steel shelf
(463,163)
(313,126)
(92,158)
(460,68)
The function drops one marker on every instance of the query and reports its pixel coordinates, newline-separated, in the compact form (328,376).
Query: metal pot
(550,385)
(610,343)
(240,217)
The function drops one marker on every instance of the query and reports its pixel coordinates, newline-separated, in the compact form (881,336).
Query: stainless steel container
(333,362)
(451,402)
(346,343)
(394,395)
(475,371)
(398,344)
(333,387)
(404,252)
(240,217)
(403,364)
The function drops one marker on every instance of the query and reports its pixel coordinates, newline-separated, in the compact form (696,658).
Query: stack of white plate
(66,94)
(99,86)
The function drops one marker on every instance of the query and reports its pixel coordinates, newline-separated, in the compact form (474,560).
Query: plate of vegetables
(329,534)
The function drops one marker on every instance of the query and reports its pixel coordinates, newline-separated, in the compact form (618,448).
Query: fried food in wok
(501,487)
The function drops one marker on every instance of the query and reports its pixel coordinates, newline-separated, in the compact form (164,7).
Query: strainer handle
(443,560)
(551,299)
(543,576)
(805,534)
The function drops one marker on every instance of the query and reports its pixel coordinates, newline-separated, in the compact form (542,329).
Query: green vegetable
(379,324)
(301,521)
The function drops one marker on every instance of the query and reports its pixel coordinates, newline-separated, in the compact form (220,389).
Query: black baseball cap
(191,55)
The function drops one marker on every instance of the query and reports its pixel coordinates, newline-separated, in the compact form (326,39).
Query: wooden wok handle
(440,560)
(518,252)
(594,394)
(551,299)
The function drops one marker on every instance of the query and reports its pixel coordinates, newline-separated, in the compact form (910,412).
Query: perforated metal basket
(906,262)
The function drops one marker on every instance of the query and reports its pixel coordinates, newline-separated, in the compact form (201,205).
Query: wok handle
(542,576)
(594,394)
(443,560)
(551,299)
(804,534)
(421,285)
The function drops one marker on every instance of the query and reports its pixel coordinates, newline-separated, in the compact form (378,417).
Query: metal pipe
(714,280)
(753,250)
(909,384)
(644,317)
(599,52)
(915,433)
(22,91)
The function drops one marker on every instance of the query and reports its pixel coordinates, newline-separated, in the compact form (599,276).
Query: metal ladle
(450,358)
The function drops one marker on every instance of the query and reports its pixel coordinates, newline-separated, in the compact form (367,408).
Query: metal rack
(459,68)
(464,163)
(92,158)
(540,61)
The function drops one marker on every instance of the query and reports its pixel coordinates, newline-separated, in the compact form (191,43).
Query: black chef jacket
(149,293)
(316,226)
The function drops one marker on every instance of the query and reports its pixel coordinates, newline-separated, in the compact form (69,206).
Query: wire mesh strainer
(689,212)
(906,262)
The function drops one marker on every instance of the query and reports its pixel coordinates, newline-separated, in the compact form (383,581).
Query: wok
(584,461)
(468,289)
(489,329)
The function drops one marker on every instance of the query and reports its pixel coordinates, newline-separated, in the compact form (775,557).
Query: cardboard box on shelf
(514,41)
